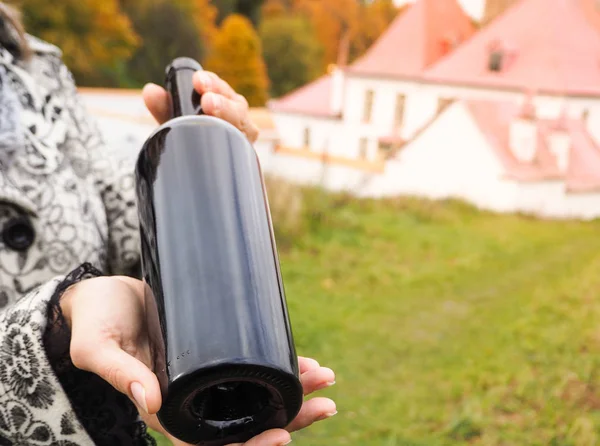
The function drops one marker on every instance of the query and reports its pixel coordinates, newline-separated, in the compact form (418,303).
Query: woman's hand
(107,317)
(218,100)
(313,378)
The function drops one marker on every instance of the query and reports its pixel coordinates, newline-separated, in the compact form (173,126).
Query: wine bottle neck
(185,100)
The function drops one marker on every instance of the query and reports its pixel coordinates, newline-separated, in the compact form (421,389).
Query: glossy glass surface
(215,294)
(215,267)
(179,84)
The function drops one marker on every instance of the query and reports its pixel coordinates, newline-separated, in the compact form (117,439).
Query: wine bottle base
(230,404)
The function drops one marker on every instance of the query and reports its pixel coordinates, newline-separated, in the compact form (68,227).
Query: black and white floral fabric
(63,202)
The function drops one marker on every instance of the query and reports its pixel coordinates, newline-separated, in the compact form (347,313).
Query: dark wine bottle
(223,347)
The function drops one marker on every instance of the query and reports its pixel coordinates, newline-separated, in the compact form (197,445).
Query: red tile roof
(312,99)
(583,171)
(493,119)
(417,38)
(550,45)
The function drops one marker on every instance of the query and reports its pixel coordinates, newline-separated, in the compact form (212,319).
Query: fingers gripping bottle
(223,347)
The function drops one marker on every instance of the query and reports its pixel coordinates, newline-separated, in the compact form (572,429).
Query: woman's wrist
(61,304)
(66,303)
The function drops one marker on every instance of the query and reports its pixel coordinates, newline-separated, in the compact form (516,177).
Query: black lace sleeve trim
(85,271)
(108,416)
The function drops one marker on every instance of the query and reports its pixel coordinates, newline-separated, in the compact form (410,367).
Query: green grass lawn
(448,326)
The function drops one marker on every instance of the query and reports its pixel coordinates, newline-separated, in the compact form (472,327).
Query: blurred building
(431,84)
(125,123)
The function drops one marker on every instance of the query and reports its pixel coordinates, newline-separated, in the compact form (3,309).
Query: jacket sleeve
(112,176)
(34,409)
(44,399)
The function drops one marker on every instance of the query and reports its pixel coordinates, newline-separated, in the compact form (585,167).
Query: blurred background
(434,175)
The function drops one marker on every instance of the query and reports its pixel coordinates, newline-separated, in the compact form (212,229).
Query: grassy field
(446,326)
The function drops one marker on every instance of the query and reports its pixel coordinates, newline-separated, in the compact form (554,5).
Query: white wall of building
(550,199)
(452,159)
(323,132)
(544,199)
(420,105)
(584,206)
(547,106)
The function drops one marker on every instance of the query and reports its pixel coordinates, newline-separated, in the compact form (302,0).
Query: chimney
(337,90)
(523,133)
(344,47)
(559,141)
(337,73)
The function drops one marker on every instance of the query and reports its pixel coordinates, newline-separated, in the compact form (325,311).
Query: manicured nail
(216,102)
(326,385)
(139,395)
(205,80)
(327,415)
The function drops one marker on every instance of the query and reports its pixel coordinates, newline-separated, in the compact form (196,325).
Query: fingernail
(205,80)
(139,395)
(327,415)
(216,102)
(326,385)
(287,442)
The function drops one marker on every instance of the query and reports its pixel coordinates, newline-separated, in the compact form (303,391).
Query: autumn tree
(274,8)
(375,17)
(205,17)
(291,52)
(237,58)
(155,21)
(334,20)
(249,8)
(330,20)
(224,8)
(95,36)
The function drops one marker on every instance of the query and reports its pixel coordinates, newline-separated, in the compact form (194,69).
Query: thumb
(125,373)
(156,100)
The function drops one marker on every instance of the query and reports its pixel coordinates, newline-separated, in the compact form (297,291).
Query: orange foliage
(331,18)
(205,17)
(237,57)
(91,33)
(273,8)
(375,19)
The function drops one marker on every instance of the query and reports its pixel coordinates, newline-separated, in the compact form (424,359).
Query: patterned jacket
(63,202)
